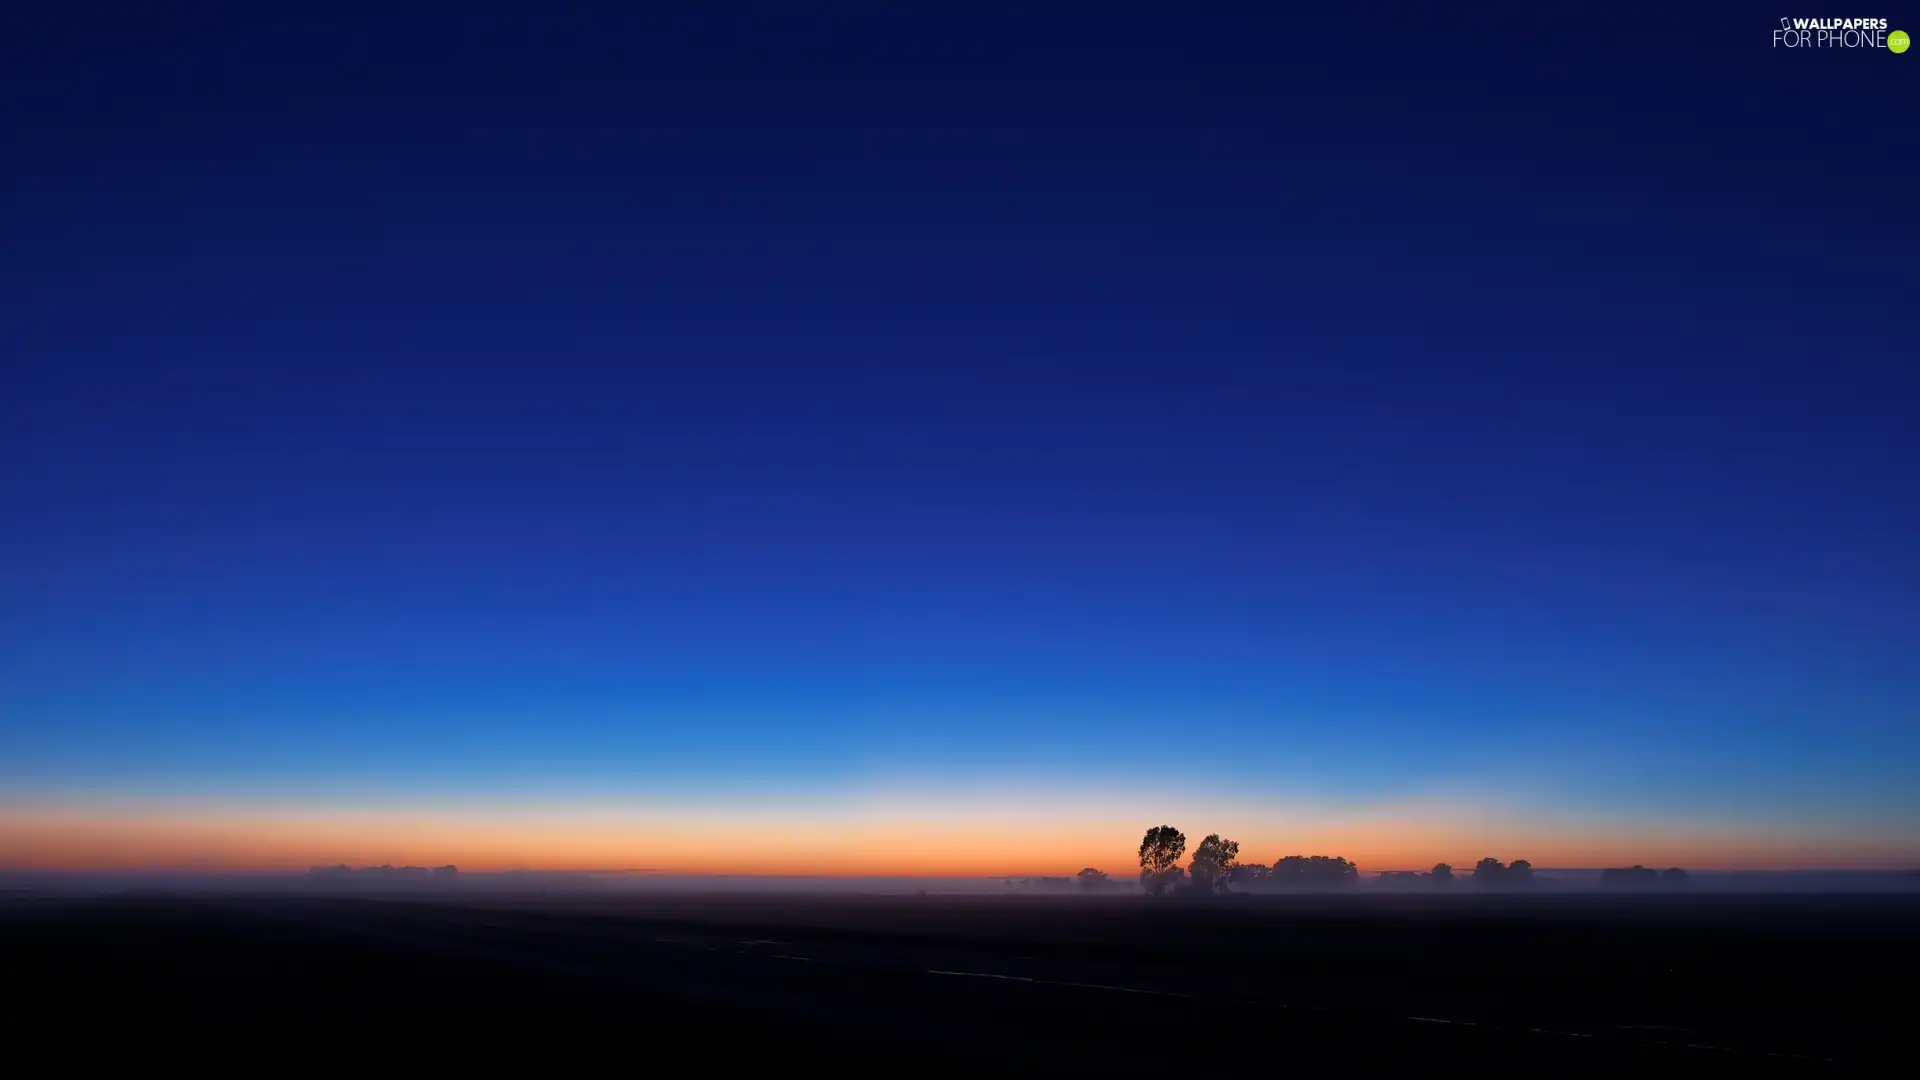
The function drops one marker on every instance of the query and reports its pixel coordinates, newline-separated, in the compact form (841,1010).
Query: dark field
(1545,985)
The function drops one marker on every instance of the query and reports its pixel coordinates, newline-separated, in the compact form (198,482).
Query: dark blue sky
(1515,408)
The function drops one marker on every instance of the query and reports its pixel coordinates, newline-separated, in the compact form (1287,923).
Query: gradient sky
(951,443)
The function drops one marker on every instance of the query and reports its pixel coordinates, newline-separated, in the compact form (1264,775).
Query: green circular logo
(1898,41)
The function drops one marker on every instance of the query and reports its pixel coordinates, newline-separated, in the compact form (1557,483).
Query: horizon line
(296,872)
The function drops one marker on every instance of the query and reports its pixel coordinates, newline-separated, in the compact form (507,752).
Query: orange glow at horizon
(897,844)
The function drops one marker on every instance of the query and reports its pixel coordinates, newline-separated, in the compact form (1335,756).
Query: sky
(950,439)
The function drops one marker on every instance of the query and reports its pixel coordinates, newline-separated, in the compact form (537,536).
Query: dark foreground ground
(983,986)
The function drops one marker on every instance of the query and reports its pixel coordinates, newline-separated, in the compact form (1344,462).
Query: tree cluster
(383,874)
(1642,877)
(1492,873)
(1312,871)
(1215,866)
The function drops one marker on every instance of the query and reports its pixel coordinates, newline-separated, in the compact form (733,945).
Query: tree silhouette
(1520,872)
(1442,874)
(1093,879)
(1213,862)
(1160,853)
(1673,875)
(1251,873)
